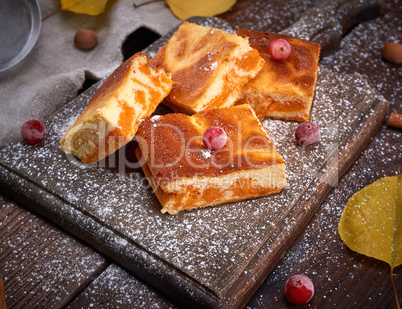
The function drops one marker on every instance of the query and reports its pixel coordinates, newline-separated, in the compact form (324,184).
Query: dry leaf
(184,9)
(371,223)
(90,7)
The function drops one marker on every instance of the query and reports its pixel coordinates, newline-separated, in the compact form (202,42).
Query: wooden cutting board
(213,257)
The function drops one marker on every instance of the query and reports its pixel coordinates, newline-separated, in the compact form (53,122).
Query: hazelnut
(392,52)
(85,39)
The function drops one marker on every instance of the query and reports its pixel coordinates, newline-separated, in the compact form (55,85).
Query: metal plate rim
(36,15)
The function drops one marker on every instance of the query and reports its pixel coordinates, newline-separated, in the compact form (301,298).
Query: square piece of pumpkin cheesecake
(131,93)
(185,174)
(283,89)
(209,67)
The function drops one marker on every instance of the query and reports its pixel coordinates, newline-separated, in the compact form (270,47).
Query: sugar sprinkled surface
(339,62)
(49,271)
(206,153)
(116,287)
(155,118)
(195,242)
(315,250)
(261,15)
(361,52)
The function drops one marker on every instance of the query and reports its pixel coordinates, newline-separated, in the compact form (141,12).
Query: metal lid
(20,22)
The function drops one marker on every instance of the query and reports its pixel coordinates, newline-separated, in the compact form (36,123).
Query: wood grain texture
(343,278)
(228,286)
(42,266)
(3,304)
(332,20)
(273,15)
(308,205)
(93,203)
(323,22)
(337,284)
(115,287)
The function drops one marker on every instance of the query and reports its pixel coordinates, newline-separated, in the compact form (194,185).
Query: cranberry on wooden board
(299,289)
(33,131)
(307,133)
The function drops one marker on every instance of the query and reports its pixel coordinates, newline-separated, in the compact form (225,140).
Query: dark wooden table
(45,267)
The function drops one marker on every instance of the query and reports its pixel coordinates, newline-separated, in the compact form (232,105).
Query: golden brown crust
(172,144)
(282,89)
(209,67)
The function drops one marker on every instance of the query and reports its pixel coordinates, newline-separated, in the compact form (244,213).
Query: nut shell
(85,39)
(392,52)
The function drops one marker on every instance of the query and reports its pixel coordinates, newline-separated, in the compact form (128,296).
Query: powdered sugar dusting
(155,118)
(206,153)
(48,271)
(195,242)
(116,287)
(265,16)
(313,254)
(361,52)
(212,67)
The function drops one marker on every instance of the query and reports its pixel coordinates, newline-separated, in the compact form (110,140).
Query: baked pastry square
(131,93)
(282,89)
(185,175)
(208,66)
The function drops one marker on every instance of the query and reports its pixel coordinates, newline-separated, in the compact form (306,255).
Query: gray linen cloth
(54,71)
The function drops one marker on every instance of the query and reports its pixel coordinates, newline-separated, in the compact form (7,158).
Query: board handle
(328,22)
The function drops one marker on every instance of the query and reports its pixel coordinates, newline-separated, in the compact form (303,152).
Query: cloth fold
(55,70)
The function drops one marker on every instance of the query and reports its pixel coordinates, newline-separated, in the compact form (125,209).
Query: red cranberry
(279,49)
(214,138)
(307,133)
(299,289)
(33,131)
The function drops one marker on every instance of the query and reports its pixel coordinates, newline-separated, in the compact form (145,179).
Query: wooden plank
(55,200)
(116,288)
(271,252)
(3,304)
(324,22)
(343,295)
(115,245)
(42,266)
(207,266)
(343,278)
(332,20)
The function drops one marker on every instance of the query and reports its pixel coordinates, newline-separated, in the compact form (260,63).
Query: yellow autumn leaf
(90,7)
(371,222)
(184,9)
